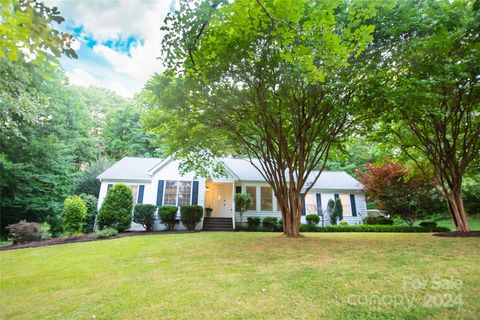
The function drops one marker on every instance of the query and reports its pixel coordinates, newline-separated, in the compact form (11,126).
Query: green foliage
(269,224)
(291,89)
(45,231)
(331,211)
(343,223)
(105,233)
(91,202)
(27,33)
(74,213)
(426,89)
(42,146)
(23,232)
(168,216)
(428,224)
(338,209)
(242,202)
(378,220)
(253,223)
(190,216)
(144,214)
(370,228)
(123,132)
(116,210)
(87,181)
(312,219)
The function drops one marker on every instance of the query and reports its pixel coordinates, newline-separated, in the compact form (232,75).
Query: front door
(221,200)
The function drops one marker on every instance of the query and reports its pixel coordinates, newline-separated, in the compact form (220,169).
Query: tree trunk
(291,208)
(457,210)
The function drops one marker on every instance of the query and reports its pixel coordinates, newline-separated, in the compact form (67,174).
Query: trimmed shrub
(145,215)
(308,228)
(253,223)
(91,202)
(116,210)
(331,211)
(23,232)
(380,220)
(45,232)
(312,219)
(279,226)
(428,224)
(168,216)
(269,223)
(338,209)
(105,233)
(74,212)
(190,216)
(343,223)
(370,228)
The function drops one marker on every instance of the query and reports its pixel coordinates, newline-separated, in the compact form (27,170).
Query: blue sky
(118,42)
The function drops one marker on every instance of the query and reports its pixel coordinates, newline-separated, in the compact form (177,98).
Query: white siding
(167,172)
(310,204)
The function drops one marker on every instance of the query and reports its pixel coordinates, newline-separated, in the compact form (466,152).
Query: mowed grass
(245,275)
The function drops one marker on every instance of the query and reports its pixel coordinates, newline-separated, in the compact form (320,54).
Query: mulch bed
(85,238)
(458,234)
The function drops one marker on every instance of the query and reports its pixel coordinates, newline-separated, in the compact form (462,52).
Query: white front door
(221,200)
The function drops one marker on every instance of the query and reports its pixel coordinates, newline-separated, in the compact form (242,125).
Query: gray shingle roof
(137,169)
(130,168)
(327,180)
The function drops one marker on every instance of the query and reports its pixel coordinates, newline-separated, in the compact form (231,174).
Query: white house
(159,182)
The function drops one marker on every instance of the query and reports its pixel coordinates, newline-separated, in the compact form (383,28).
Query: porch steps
(217,224)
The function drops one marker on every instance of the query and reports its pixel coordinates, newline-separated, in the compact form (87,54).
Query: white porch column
(233,205)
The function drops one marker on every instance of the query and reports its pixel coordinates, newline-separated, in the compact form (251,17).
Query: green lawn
(245,275)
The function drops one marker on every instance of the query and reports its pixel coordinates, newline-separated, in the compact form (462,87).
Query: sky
(118,42)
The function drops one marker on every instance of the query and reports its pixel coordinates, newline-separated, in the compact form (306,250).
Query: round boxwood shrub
(378,220)
(253,223)
(312,219)
(190,216)
(144,214)
(168,216)
(269,223)
(74,213)
(116,210)
(428,224)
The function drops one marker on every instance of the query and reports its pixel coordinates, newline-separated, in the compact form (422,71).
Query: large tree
(27,32)
(266,80)
(429,56)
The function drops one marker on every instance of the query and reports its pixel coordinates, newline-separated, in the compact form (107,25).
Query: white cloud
(81,77)
(118,20)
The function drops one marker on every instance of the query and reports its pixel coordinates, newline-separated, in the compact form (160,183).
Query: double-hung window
(184,192)
(170,198)
(266,199)
(252,191)
(177,193)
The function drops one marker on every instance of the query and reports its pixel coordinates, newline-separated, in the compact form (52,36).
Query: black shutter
(109,186)
(319,203)
(141,190)
(354,206)
(195,193)
(304,212)
(238,189)
(160,192)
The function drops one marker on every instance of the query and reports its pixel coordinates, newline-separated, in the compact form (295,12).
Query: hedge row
(370,228)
